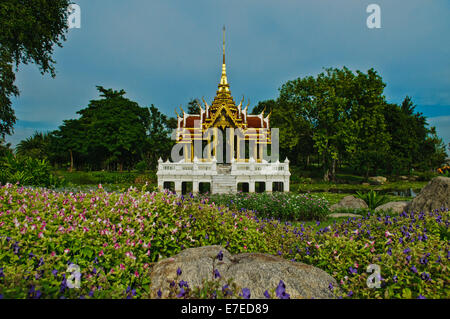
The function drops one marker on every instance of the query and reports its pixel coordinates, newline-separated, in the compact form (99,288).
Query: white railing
(210,168)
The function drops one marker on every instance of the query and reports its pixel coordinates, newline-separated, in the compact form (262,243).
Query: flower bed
(114,239)
(278,205)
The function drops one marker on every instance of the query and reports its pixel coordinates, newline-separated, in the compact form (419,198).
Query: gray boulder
(340,215)
(434,195)
(377,180)
(255,271)
(349,202)
(395,207)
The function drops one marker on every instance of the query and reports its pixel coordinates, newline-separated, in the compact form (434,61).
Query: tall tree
(35,146)
(159,143)
(193,106)
(29,32)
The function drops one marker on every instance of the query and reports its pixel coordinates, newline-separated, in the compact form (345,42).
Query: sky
(166,52)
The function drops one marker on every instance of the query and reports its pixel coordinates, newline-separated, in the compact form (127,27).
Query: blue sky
(165,52)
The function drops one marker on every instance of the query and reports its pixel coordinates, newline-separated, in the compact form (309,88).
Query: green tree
(5,148)
(193,106)
(110,133)
(320,107)
(367,111)
(159,143)
(29,32)
(35,146)
(66,144)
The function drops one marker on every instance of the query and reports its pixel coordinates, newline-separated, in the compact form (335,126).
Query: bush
(425,176)
(372,199)
(141,166)
(278,205)
(27,171)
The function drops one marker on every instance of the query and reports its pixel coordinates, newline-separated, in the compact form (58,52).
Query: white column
(195,187)
(269,186)
(178,187)
(251,186)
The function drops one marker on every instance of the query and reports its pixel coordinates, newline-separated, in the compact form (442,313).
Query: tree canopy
(29,32)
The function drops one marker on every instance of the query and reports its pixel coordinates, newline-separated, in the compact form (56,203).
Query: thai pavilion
(223,149)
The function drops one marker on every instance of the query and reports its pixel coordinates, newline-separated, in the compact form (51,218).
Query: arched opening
(169,185)
(204,187)
(260,187)
(277,187)
(186,187)
(243,187)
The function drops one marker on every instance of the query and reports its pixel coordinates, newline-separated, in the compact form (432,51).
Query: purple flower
(159,293)
(352,270)
(281,291)
(226,290)
(266,294)
(407,250)
(182,293)
(220,255)
(425,276)
(414,269)
(183,284)
(216,273)
(330,286)
(389,251)
(1,273)
(350,293)
(395,278)
(421,297)
(178,271)
(245,293)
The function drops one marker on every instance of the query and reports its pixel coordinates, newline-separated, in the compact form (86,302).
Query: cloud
(166,52)
(442,124)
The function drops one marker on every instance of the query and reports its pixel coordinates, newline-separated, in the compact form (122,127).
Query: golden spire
(223,86)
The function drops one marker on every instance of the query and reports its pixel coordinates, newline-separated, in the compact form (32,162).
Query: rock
(403,178)
(338,215)
(435,195)
(349,202)
(377,180)
(255,271)
(395,207)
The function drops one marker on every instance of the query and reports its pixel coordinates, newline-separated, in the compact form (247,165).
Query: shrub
(373,199)
(278,205)
(141,166)
(27,171)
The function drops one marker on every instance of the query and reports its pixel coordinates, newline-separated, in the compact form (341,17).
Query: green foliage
(115,237)
(36,146)
(372,198)
(27,171)
(283,206)
(141,166)
(30,30)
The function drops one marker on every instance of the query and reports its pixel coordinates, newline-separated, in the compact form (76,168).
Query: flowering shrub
(444,170)
(114,239)
(278,205)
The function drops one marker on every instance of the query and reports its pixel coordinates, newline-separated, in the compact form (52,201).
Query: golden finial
(223,45)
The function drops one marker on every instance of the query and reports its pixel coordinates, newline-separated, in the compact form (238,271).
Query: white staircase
(224,182)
